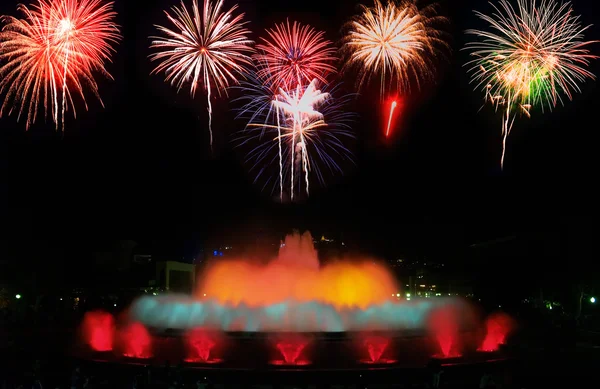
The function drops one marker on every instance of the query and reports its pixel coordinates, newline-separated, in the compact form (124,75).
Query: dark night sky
(141,167)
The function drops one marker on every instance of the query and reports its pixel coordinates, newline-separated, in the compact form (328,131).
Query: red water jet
(498,326)
(291,350)
(376,346)
(137,342)
(444,325)
(200,344)
(98,330)
(445,341)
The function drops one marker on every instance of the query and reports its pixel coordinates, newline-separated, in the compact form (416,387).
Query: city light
(592,300)
(18,296)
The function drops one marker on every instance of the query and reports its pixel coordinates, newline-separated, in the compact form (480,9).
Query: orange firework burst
(52,52)
(397,40)
(205,47)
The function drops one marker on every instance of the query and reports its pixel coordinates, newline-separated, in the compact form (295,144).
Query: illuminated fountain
(136,341)
(296,303)
(498,326)
(200,345)
(291,348)
(376,346)
(292,293)
(443,324)
(98,330)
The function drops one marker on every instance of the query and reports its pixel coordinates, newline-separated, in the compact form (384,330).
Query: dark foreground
(544,359)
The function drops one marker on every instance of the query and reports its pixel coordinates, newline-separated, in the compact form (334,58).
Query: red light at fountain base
(291,350)
(98,330)
(444,325)
(498,327)
(376,346)
(284,363)
(446,343)
(137,342)
(200,345)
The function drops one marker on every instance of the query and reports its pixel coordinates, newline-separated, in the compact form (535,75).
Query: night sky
(141,167)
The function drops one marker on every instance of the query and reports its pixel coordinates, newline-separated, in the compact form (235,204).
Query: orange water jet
(296,275)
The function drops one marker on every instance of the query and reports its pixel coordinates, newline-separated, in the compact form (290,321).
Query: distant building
(176,277)
(150,274)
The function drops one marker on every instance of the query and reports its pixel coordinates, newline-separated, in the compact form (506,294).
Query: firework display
(297,119)
(48,56)
(288,111)
(533,55)
(396,41)
(203,47)
(302,130)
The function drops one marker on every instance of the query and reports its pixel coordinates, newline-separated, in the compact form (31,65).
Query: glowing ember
(98,330)
(137,342)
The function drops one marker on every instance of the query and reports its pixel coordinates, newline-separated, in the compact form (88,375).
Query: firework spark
(301,129)
(392,108)
(52,53)
(533,55)
(294,55)
(205,48)
(397,41)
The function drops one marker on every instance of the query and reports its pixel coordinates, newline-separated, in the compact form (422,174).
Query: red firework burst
(294,55)
(52,52)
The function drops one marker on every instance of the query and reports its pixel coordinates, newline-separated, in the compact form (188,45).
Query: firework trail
(532,55)
(205,48)
(302,127)
(52,52)
(259,93)
(294,55)
(392,108)
(298,109)
(397,41)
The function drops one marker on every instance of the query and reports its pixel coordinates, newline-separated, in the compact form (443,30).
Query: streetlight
(18,296)
(592,300)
